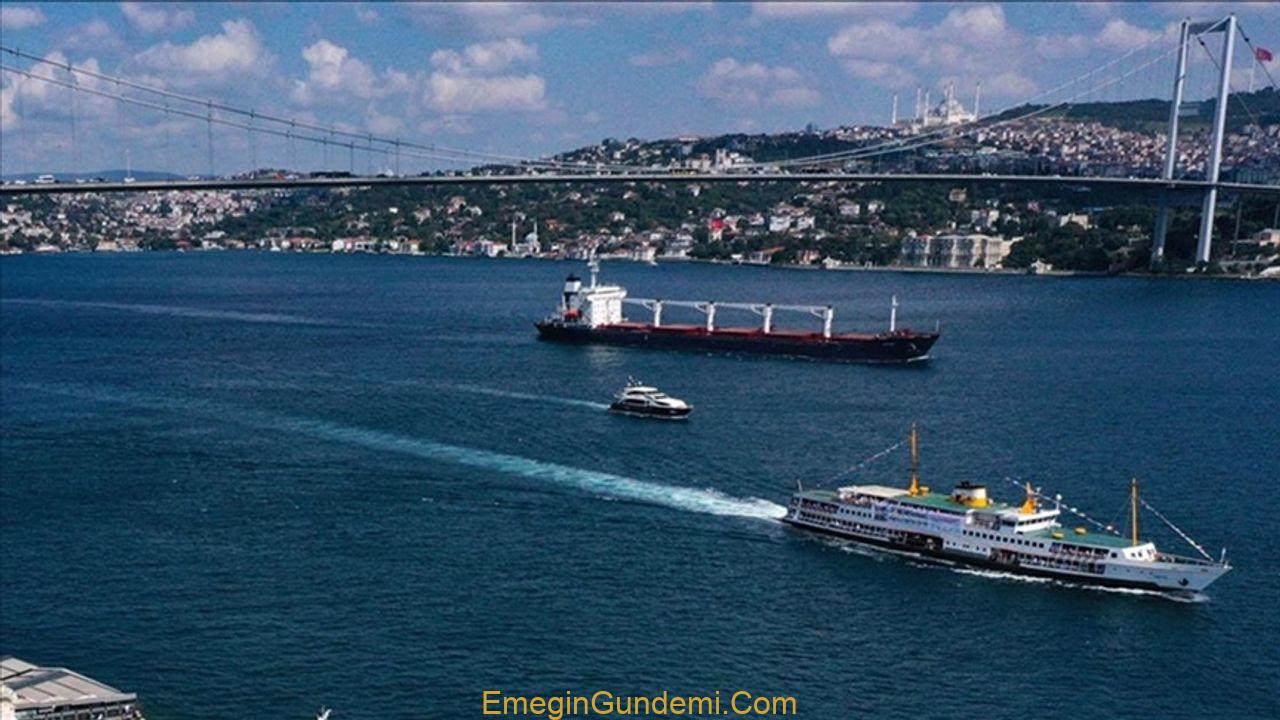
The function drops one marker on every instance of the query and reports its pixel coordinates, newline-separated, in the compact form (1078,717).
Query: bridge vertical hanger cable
(209,136)
(25,156)
(119,113)
(253,144)
(75,140)
(168,157)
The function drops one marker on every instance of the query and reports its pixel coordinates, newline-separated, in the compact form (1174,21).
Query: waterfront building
(51,693)
(955,251)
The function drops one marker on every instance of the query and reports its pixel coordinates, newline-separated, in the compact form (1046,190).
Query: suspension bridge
(90,92)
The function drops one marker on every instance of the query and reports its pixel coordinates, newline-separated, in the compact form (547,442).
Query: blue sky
(530,78)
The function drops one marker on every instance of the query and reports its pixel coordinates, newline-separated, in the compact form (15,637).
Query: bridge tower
(1186,31)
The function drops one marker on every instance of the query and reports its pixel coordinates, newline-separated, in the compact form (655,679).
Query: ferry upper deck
(1038,526)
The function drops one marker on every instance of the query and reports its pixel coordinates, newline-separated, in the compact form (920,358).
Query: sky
(532,78)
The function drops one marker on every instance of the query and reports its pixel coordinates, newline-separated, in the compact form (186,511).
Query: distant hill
(106,174)
(1242,109)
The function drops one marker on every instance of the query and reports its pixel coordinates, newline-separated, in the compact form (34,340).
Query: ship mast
(1133,508)
(915,462)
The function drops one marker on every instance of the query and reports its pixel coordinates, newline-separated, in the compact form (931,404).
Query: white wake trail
(494,392)
(179,311)
(706,500)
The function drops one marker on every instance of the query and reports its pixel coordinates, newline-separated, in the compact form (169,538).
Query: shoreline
(982,272)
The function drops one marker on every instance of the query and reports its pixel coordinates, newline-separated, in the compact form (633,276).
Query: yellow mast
(914,489)
(1133,507)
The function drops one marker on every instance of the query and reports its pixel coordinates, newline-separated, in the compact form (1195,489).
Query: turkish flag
(1263,55)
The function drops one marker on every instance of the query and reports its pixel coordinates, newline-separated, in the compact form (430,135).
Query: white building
(955,251)
(28,691)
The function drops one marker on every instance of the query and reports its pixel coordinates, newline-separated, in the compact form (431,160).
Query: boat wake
(494,392)
(181,311)
(700,500)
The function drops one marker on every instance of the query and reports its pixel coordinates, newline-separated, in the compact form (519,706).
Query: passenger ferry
(969,528)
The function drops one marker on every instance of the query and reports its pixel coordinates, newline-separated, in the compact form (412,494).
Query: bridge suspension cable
(1235,93)
(962,130)
(210,119)
(437,152)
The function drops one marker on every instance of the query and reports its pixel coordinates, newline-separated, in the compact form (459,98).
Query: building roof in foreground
(37,687)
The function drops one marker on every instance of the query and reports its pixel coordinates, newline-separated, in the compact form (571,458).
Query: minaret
(893,117)
(926,106)
(919,104)
(977,97)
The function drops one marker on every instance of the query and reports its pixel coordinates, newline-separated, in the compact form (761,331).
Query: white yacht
(648,401)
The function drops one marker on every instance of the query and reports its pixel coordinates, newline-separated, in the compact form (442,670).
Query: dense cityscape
(830,224)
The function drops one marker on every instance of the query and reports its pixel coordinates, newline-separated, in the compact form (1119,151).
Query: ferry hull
(899,347)
(932,550)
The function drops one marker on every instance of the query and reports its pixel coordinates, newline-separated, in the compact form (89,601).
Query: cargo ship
(594,314)
(969,528)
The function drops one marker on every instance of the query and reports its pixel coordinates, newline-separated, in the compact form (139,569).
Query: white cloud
(975,24)
(20,17)
(754,83)
(8,117)
(467,81)
(334,75)
(972,43)
(93,35)
(875,40)
(882,73)
(788,10)
(1120,35)
(366,14)
(153,17)
(40,99)
(485,57)
(458,93)
(236,51)
(1062,46)
(506,19)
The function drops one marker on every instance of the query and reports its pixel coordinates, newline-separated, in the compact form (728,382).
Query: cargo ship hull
(895,347)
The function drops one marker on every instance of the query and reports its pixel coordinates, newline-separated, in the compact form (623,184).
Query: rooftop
(41,687)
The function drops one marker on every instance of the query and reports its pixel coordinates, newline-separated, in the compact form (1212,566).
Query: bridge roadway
(1146,184)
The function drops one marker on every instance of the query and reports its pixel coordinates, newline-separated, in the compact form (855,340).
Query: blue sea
(247,485)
